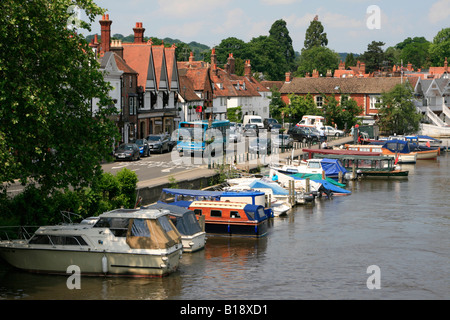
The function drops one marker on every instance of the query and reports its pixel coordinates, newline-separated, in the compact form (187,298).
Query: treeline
(273,55)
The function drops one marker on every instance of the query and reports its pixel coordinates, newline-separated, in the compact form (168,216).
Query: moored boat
(193,236)
(231,218)
(140,243)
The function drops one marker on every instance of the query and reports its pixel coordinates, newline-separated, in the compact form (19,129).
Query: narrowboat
(137,243)
(231,218)
(183,197)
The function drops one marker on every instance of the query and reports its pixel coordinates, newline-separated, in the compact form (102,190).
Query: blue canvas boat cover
(332,167)
(277,190)
(399,146)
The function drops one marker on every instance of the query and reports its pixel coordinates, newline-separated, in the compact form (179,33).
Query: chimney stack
(191,57)
(362,68)
(288,77)
(341,65)
(248,69)
(117,48)
(446,65)
(231,67)
(105,24)
(315,73)
(213,56)
(138,33)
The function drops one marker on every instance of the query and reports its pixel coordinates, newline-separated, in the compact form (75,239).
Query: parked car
(144,147)
(269,122)
(302,134)
(314,133)
(251,130)
(330,131)
(235,135)
(260,145)
(127,151)
(159,142)
(276,126)
(280,140)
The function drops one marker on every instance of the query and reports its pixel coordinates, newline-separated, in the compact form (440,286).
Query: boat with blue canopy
(183,197)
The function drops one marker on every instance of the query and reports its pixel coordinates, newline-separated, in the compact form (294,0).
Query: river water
(321,251)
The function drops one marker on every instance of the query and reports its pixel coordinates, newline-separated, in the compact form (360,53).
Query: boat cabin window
(235,214)
(216,213)
(140,228)
(118,226)
(314,165)
(58,240)
(165,224)
(198,212)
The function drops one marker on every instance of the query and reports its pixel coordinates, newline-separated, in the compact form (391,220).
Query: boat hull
(386,174)
(231,229)
(194,243)
(53,261)
(427,155)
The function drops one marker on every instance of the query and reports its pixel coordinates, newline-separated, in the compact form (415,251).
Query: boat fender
(105,264)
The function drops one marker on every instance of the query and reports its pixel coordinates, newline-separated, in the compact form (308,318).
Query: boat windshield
(118,226)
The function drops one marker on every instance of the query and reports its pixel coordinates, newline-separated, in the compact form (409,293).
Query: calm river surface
(321,251)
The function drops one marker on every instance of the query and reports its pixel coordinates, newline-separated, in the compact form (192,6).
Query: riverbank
(150,190)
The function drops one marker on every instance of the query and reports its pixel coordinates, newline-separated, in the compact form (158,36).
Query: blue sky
(345,21)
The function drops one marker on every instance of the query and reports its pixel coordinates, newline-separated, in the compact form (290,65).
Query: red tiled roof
(138,56)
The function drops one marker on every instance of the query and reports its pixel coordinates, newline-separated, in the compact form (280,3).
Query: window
(198,212)
(132,105)
(234,215)
(140,228)
(59,240)
(216,213)
(373,101)
(319,101)
(131,81)
(118,226)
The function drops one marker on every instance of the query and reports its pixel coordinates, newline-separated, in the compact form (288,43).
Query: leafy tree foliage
(48,78)
(300,106)
(315,35)
(374,56)
(280,33)
(397,113)
(319,58)
(343,113)
(440,48)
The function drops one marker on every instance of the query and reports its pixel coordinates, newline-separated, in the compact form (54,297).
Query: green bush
(33,207)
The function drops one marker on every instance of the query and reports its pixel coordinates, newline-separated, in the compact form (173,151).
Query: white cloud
(439,11)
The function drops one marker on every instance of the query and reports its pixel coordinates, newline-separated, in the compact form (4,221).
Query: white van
(254,120)
(312,121)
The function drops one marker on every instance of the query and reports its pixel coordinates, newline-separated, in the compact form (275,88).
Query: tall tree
(397,113)
(343,113)
(280,33)
(48,78)
(350,60)
(315,35)
(374,56)
(266,58)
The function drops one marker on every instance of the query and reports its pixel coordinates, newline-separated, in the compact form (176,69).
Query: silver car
(280,140)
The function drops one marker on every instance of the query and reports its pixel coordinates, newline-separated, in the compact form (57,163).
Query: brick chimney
(315,73)
(248,69)
(410,68)
(288,77)
(231,67)
(213,57)
(191,57)
(117,48)
(105,24)
(138,33)
(446,65)
(362,68)
(342,65)
(94,44)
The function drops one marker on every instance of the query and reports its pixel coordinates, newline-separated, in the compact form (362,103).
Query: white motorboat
(121,242)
